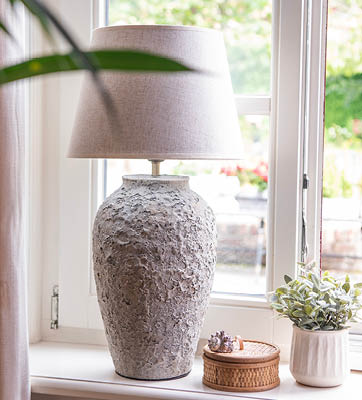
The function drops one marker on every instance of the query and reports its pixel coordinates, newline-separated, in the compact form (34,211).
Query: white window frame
(64,192)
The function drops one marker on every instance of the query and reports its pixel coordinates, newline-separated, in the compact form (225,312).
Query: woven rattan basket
(253,369)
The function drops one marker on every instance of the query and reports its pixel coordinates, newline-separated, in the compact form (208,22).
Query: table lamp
(154,240)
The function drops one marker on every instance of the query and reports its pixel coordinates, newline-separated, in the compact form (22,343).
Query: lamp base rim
(153,379)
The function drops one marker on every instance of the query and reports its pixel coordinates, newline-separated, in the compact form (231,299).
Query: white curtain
(14,373)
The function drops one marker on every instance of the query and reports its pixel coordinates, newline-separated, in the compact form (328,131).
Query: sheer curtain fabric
(14,374)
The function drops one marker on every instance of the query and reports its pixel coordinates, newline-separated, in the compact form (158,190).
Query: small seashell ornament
(221,342)
(214,343)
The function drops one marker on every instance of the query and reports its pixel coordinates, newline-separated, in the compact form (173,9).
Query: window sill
(86,371)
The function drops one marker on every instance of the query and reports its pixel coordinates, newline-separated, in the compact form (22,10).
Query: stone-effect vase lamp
(154,240)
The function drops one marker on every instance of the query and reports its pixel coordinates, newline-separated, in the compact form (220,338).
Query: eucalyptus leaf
(315,280)
(277,306)
(328,328)
(345,299)
(307,322)
(346,287)
(326,285)
(274,298)
(322,303)
(309,284)
(281,290)
(298,313)
(308,309)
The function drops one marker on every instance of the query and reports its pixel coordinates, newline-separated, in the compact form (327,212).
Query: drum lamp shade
(178,115)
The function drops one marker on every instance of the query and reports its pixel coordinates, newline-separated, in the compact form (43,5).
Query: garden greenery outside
(247,30)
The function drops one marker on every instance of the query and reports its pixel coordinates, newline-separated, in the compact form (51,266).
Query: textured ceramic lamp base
(154,252)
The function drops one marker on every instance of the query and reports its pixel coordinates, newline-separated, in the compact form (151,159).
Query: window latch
(304,245)
(305,181)
(54,307)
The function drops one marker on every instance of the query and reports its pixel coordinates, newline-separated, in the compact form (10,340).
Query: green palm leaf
(117,60)
(78,59)
(34,8)
(4,28)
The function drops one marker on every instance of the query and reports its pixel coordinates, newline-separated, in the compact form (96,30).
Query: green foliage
(335,183)
(343,106)
(343,99)
(344,49)
(246,25)
(346,186)
(257,176)
(343,109)
(118,60)
(318,303)
(103,59)
(253,179)
(40,12)
(341,137)
(5,29)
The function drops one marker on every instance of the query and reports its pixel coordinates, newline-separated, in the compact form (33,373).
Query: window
(272,111)
(342,183)
(342,173)
(236,191)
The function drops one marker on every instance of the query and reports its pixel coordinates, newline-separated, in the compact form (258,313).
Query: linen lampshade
(182,115)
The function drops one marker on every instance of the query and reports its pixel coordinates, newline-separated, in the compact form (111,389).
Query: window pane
(342,186)
(238,197)
(236,193)
(246,25)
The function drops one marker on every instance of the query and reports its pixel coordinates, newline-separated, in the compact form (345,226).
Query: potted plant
(320,308)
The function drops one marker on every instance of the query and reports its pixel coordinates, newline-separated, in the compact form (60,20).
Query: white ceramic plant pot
(319,358)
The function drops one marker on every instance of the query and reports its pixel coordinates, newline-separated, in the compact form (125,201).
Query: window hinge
(305,181)
(54,307)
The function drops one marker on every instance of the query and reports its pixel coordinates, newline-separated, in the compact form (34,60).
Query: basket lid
(253,352)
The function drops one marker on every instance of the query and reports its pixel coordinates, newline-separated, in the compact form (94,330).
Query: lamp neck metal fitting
(156,167)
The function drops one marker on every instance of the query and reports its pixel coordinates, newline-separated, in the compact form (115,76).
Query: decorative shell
(214,343)
(221,342)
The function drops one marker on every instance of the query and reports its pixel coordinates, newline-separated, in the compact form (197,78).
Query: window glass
(342,177)
(237,192)
(246,25)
